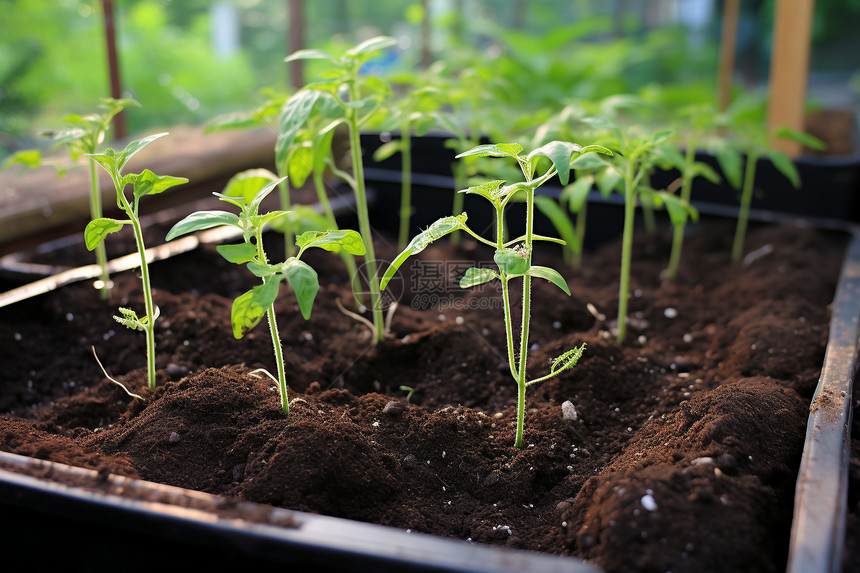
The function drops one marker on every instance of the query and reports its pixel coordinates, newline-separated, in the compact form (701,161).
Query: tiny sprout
(145,183)
(247,192)
(409,391)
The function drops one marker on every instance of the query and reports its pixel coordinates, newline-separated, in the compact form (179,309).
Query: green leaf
(475,276)
(254,206)
(372,46)
(511,261)
(567,360)
(560,153)
(493,150)
(300,164)
(202,220)
(609,180)
(129,319)
(551,275)
(346,239)
(576,194)
(706,171)
(302,218)
(488,190)
(247,183)
(800,137)
(731,163)
(677,208)
(422,240)
(559,220)
(262,270)
(305,284)
(238,254)
(387,149)
(589,161)
(98,229)
(135,147)
(310,55)
(785,165)
(249,308)
(148,183)
(294,114)
(31,158)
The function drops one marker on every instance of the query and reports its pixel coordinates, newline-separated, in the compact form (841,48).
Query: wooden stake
(789,70)
(119,129)
(728,41)
(296,41)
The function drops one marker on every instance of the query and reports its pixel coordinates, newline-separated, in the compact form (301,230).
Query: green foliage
(246,190)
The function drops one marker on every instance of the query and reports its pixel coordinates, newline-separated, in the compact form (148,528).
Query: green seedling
(143,184)
(409,391)
(246,191)
(359,97)
(749,138)
(636,154)
(513,258)
(412,113)
(82,137)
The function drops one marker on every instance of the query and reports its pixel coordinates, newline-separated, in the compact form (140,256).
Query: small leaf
(493,150)
(238,254)
(249,308)
(576,194)
(31,158)
(785,165)
(134,147)
(800,137)
(609,180)
(588,161)
(294,114)
(706,171)
(129,319)
(372,46)
(148,183)
(247,183)
(731,164)
(511,261)
(202,220)
(677,208)
(346,239)
(567,360)
(300,164)
(98,229)
(305,284)
(254,206)
(475,276)
(387,149)
(310,55)
(560,153)
(421,241)
(551,275)
(262,270)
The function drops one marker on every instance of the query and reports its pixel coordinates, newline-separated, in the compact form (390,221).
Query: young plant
(749,138)
(513,258)
(144,183)
(82,136)
(246,191)
(359,97)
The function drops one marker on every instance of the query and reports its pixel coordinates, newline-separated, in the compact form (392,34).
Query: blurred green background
(189,60)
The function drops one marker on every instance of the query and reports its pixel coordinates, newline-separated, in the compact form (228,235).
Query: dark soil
(683,455)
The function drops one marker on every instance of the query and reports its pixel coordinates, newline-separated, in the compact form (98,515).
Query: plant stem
(348,260)
(405,184)
(147,297)
(626,250)
(279,360)
(744,212)
(678,232)
(506,295)
(364,219)
(96,213)
(576,257)
(289,238)
(526,316)
(459,171)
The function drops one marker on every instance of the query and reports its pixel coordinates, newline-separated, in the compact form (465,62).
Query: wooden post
(426,57)
(789,70)
(728,41)
(296,41)
(119,129)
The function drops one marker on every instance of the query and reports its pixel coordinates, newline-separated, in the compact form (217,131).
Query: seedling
(82,137)
(513,258)
(246,191)
(751,139)
(359,97)
(145,183)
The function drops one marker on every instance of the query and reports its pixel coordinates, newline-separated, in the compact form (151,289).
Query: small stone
(648,502)
(568,411)
(410,462)
(393,408)
(174,437)
(670,312)
(176,370)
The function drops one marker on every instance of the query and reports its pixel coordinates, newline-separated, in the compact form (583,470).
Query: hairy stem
(289,238)
(744,212)
(459,171)
(96,213)
(279,360)
(147,297)
(526,316)
(364,220)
